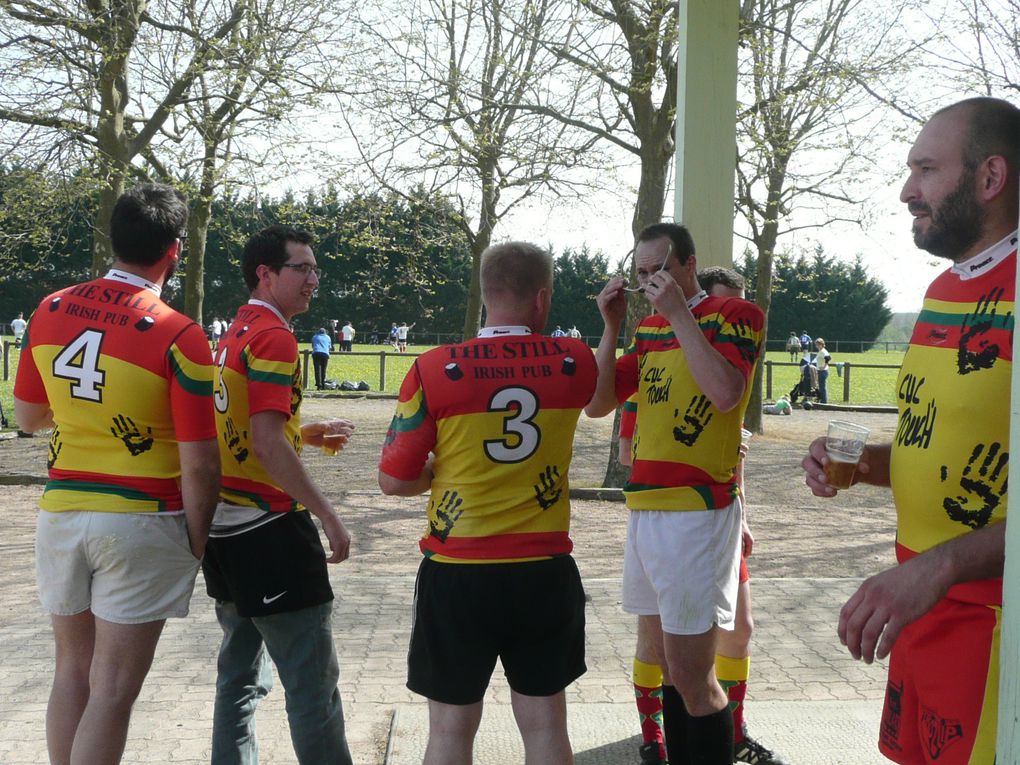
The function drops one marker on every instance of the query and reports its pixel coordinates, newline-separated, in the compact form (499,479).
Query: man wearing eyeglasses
(265,565)
(691,366)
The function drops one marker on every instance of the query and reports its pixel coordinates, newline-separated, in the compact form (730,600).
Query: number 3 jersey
(950,454)
(499,412)
(127,377)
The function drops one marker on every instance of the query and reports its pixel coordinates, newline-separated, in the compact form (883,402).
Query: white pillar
(1008,747)
(706,130)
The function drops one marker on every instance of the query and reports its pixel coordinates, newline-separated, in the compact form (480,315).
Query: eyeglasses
(665,260)
(305,269)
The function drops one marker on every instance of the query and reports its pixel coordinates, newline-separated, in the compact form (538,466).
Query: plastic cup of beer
(745,436)
(844,445)
(332,443)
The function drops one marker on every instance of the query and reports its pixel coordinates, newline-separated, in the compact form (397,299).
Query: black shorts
(529,615)
(277,567)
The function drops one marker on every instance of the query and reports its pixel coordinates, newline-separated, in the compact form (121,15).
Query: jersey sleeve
(739,337)
(28,383)
(628,418)
(191,386)
(412,432)
(626,375)
(270,360)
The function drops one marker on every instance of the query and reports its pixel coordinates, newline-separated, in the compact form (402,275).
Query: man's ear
(992,178)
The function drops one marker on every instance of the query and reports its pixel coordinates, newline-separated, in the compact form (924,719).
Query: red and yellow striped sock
(732,675)
(648,697)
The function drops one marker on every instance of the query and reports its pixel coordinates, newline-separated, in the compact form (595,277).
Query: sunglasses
(665,260)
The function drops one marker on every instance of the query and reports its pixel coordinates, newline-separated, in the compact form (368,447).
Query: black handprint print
(233,441)
(448,510)
(979,497)
(136,442)
(744,341)
(694,421)
(55,446)
(548,490)
(977,349)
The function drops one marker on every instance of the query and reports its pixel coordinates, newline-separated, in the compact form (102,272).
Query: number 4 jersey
(127,377)
(499,412)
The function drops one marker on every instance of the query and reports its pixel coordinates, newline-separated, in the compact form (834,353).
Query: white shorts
(129,568)
(683,566)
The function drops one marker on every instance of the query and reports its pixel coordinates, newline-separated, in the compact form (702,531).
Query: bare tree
(811,105)
(280,59)
(978,45)
(446,111)
(67,75)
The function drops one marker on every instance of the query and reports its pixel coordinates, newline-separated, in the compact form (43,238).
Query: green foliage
(826,297)
(579,276)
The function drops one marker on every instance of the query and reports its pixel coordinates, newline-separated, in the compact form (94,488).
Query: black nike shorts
(529,615)
(276,567)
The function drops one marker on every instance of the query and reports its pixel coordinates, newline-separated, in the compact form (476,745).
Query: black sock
(674,726)
(710,738)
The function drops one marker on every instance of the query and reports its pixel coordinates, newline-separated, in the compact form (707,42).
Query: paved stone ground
(810,556)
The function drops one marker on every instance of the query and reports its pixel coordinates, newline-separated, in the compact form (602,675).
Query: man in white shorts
(125,382)
(690,366)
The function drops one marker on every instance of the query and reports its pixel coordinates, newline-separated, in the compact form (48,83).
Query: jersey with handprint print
(127,377)
(258,370)
(950,454)
(685,449)
(499,412)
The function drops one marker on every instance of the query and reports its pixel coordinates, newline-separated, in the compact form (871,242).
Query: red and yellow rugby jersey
(258,370)
(127,377)
(685,449)
(499,412)
(950,455)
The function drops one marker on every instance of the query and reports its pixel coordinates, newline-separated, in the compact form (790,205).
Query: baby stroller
(807,386)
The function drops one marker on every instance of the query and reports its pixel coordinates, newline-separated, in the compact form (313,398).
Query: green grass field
(868,386)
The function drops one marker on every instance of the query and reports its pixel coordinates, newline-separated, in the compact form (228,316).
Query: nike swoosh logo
(267,600)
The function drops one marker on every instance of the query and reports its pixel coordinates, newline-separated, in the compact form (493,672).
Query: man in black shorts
(498,413)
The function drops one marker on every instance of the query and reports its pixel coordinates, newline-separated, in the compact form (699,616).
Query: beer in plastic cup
(844,445)
(745,436)
(332,443)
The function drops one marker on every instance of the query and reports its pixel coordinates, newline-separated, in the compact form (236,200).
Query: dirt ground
(796,534)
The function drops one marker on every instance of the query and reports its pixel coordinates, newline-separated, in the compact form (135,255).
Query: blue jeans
(823,394)
(300,644)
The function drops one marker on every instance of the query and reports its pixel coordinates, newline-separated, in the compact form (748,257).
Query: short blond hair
(514,272)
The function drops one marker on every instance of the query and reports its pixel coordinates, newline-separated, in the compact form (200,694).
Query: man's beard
(956,224)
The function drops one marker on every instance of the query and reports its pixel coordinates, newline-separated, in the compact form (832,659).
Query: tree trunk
(486,222)
(766,246)
(198,234)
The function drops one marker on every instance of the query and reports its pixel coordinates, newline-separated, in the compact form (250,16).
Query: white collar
(503,331)
(694,300)
(986,260)
(273,308)
(115,274)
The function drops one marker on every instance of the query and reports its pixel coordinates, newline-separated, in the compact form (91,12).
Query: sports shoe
(753,753)
(650,755)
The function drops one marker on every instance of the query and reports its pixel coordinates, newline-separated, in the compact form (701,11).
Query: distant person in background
(558,332)
(18,328)
(822,363)
(402,331)
(574,332)
(322,344)
(793,346)
(216,331)
(805,341)
(394,331)
(346,337)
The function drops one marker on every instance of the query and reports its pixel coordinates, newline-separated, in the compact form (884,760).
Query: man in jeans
(265,565)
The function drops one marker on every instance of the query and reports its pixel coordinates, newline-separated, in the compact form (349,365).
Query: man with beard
(938,612)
